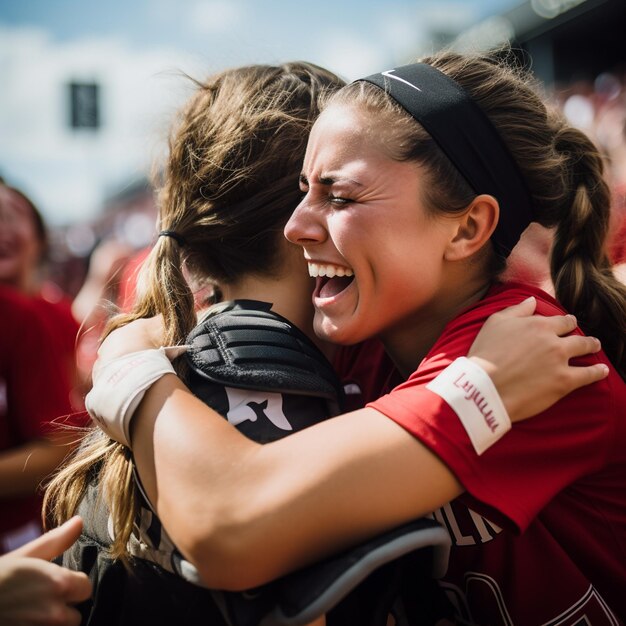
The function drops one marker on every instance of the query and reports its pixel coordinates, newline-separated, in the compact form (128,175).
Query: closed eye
(339,200)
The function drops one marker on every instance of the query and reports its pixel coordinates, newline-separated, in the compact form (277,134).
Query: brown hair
(562,169)
(229,187)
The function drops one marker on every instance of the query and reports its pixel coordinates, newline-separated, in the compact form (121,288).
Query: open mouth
(331,279)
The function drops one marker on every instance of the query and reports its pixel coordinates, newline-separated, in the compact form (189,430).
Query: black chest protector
(268,379)
(259,371)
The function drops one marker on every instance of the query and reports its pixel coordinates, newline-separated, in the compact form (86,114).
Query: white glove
(471,394)
(119,386)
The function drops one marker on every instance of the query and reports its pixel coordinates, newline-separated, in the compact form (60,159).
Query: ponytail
(164,290)
(229,186)
(581,270)
(562,170)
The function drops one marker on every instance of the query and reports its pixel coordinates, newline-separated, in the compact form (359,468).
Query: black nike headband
(468,138)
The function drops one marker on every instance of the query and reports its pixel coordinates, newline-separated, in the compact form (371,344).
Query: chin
(8,272)
(329,331)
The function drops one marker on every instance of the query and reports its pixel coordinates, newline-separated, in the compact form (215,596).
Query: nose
(305,226)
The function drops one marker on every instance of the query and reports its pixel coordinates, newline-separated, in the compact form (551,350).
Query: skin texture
(23,468)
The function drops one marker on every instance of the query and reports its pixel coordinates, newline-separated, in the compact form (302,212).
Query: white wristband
(119,386)
(471,394)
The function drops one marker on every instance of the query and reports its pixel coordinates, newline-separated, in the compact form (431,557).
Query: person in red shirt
(417,183)
(23,251)
(34,406)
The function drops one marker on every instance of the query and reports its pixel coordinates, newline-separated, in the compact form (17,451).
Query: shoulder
(18,311)
(247,345)
(53,303)
(13,298)
(502,295)
(460,332)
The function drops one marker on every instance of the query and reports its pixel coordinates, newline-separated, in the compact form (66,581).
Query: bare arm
(245,513)
(24,467)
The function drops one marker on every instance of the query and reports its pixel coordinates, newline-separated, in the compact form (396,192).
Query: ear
(474,228)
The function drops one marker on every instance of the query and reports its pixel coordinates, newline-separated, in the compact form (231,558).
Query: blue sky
(134,47)
(146,22)
(227,32)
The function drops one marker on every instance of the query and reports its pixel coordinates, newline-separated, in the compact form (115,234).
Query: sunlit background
(87,89)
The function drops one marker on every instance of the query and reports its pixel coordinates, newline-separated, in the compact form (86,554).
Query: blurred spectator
(204,293)
(128,282)
(97,299)
(23,253)
(599,108)
(34,407)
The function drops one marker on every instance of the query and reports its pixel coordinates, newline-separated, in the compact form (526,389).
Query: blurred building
(564,40)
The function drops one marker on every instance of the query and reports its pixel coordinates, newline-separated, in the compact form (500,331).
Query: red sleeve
(128,281)
(513,480)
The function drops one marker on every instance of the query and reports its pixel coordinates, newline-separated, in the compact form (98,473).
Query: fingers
(54,542)
(523,309)
(173,352)
(579,345)
(57,615)
(581,376)
(141,334)
(72,617)
(560,324)
(69,586)
(75,586)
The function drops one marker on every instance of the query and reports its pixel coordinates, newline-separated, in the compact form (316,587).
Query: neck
(410,340)
(290,296)
(25,283)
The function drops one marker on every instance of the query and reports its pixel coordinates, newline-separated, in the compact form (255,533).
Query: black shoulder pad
(244,344)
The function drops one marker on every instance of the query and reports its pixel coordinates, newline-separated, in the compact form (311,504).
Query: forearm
(245,513)
(23,468)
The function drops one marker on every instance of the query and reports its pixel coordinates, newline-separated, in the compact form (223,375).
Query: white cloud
(448,15)
(349,54)
(69,171)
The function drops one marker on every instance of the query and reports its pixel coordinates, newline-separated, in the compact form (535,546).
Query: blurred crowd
(57,289)
(598,107)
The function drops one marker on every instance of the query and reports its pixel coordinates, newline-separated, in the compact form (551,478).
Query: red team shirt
(539,537)
(34,391)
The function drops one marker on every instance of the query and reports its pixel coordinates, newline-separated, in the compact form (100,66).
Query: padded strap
(418,549)
(246,345)
(315,590)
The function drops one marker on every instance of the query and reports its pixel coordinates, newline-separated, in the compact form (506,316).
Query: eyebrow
(327,181)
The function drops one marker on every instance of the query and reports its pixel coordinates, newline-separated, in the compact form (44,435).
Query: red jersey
(128,282)
(365,371)
(34,391)
(617,247)
(539,537)
(56,312)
